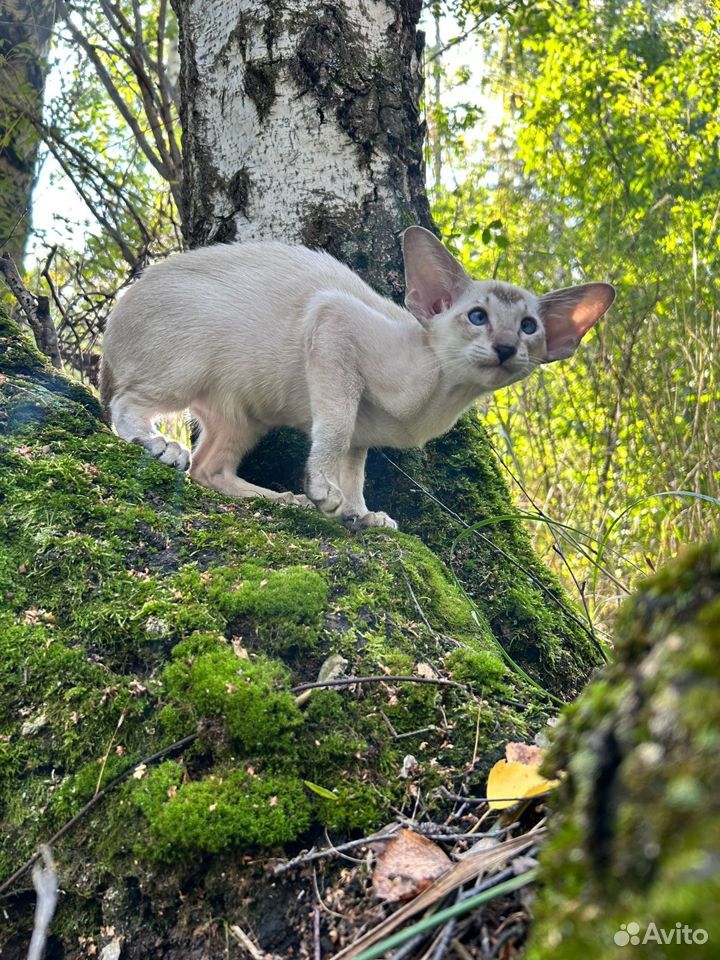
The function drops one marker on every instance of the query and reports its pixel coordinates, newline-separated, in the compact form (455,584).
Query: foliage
(605,166)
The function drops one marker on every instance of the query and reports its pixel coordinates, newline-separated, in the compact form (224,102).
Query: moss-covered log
(137,608)
(635,856)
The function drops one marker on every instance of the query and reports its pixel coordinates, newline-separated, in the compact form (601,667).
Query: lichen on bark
(636,826)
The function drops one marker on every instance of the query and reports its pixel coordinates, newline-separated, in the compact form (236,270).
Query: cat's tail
(107,389)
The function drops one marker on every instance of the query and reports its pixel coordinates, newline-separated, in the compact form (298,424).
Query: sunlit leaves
(607,166)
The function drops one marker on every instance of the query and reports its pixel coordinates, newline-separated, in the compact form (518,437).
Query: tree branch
(107,82)
(36,310)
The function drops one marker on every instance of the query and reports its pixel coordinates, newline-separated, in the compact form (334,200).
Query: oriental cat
(253,336)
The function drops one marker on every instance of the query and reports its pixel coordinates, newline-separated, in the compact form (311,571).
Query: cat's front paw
(371,519)
(325,494)
(169,452)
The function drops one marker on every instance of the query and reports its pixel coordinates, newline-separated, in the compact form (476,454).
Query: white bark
(298,117)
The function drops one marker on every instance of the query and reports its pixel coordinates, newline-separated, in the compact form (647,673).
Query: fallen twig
(310,855)
(96,798)
(317,951)
(46,886)
(350,681)
(244,940)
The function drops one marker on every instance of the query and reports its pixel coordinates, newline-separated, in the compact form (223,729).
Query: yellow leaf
(510,782)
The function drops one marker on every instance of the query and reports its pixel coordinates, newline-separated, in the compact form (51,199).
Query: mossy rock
(634,858)
(137,608)
(440,493)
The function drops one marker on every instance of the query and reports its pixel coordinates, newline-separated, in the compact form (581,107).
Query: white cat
(259,335)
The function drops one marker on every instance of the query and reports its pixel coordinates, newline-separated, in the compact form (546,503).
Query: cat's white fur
(259,335)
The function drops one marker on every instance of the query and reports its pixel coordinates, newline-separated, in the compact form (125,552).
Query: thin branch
(350,681)
(113,231)
(479,22)
(95,799)
(107,82)
(312,855)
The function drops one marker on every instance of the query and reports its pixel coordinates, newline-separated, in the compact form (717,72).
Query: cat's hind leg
(134,421)
(223,443)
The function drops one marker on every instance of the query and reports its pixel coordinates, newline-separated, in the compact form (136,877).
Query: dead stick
(178,745)
(427,830)
(310,855)
(50,337)
(349,681)
(25,299)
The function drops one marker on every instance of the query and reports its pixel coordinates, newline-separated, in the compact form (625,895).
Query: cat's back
(221,280)
(207,314)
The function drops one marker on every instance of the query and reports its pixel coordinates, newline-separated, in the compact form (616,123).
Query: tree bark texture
(634,841)
(301,123)
(25,30)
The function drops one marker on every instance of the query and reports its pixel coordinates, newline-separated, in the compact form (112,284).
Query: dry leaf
(408,865)
(523,753)
(485,862)
(426,671)
(517,777)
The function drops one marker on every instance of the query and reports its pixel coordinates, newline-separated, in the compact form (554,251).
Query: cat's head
(488,332)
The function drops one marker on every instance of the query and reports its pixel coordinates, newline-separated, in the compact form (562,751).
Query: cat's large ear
(433,277)
(568,315)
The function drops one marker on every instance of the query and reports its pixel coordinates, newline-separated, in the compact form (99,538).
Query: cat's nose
(505,351)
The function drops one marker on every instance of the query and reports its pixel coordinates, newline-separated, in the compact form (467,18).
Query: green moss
(481,668)
(220,812)
(359,807)
(248,695)
(637,829)
(284,606)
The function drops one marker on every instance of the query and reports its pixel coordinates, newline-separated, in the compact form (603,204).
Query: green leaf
(321,791)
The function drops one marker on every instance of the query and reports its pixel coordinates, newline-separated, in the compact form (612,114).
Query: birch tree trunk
(301,123)
(25,30)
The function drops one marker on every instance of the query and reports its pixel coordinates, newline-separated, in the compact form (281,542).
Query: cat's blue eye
(478,317)
(528,325)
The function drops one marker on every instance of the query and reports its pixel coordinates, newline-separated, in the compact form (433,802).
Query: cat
(253,336)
